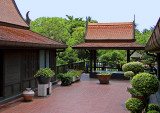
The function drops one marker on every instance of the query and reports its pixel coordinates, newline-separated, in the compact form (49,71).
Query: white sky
(104,11)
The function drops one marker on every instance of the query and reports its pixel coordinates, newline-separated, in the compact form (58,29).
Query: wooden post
(91,58)
(128,56)
(158,65)
(95,59)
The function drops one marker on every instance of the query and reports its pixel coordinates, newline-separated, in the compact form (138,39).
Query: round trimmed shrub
(153,107)
(145,83)
(153,111)
(134,105)
(129,74)
(135,67)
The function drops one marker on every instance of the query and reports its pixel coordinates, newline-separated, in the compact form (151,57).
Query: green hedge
(129,74)
(145,83)
(135,67)
(153,107)
(134,105)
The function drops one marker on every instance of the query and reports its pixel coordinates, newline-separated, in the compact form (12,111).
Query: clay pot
(139,97)
(28,94)
(104,79)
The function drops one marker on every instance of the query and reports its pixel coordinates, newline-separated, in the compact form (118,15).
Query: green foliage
(129,74)
(59,76)
(105,74)
(135,67)
(146,59)
(153,107)
(142,37)
(76,73)
(152,111)
(145,83)
(54,28)
(66,79)
(112,56)
(45,72)
(134,105)
(134,92)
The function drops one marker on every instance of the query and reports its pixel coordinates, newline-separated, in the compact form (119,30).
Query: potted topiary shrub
(135,67)
(44,75)
(153,107)
(104,77)
(135,94)
(134,105)
(146,84)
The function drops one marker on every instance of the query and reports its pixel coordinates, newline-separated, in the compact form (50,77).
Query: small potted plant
(104,77)
(66,78)
(44,75)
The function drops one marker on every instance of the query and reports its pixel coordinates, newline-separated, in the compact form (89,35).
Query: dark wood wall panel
(12,67)
(30,65)
(20,67)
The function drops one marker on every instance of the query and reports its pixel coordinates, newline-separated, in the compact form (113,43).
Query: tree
(54,28)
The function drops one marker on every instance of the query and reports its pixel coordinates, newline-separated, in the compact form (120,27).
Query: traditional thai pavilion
(113,36)
(153,46)
(22,52)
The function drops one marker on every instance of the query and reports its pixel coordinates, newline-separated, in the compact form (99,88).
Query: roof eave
(13,44)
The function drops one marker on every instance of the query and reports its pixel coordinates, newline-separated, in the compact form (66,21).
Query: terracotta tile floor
(86,96)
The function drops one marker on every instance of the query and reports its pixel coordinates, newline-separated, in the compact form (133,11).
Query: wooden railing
(105,65)
(66,67)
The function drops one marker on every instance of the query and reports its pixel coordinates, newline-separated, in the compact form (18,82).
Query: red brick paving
(86,96)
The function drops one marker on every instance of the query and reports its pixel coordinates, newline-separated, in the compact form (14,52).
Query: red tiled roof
(10,14)
(27,38)
(110,31)
(118,46)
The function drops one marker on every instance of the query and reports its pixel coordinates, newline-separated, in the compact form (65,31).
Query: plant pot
(28,94)
(104,79)
(43,80)
(139,97)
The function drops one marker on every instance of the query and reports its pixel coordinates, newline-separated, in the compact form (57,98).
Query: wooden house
(22,52)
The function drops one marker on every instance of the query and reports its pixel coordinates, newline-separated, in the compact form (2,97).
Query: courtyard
(84,96)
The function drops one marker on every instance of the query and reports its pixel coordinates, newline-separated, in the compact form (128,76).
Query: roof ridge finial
(28,20)
(134,18)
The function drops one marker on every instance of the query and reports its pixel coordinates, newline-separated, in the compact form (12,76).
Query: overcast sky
(104,11)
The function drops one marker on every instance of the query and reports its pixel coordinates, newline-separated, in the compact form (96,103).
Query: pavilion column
(95,59)
(128,56)
(91,59)
(158,65)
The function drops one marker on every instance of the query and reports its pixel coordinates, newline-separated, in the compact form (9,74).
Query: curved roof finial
(28,20)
